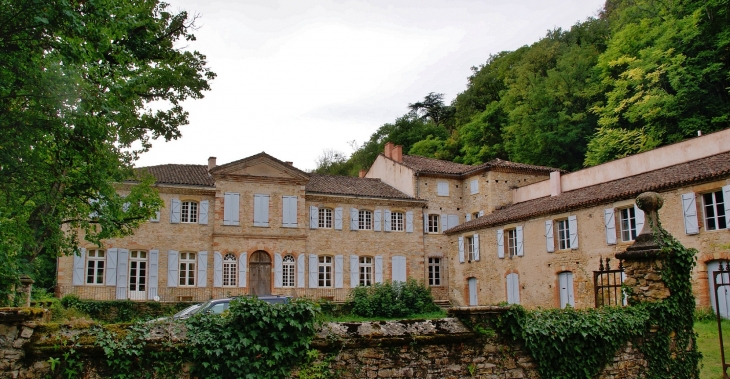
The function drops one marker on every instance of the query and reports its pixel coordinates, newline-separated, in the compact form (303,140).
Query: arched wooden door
(260,273)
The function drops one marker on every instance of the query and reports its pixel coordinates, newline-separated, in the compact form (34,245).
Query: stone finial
(649,202)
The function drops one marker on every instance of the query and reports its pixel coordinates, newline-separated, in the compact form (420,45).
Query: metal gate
(607,284)
(723,273)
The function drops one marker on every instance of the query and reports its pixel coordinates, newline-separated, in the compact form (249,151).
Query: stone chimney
(362,173)
(289,163)
(555,186)
(397,153)
(211,163)
(388,150)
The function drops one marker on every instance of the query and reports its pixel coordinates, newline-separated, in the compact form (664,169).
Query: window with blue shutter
(261,210)
(609,223)
(242,269)
(409,222)
(231,201)
(174,211)
(689,207)
(338,218)
(122,267)
(203,269)
(289,211)
(203,219)
(153,282)
(313,217)
(500,243)
(172,268)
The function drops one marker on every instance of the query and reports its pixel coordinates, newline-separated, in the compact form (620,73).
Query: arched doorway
(260,273)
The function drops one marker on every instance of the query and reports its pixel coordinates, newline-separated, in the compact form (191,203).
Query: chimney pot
(289,163)
(397,153)
(211,163)
(388,149)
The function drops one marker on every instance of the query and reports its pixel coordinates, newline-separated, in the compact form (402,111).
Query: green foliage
(253,339)
(116,311)
(312,369)
(392,299)
(77,83)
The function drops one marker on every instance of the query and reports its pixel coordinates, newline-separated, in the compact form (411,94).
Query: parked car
(183,314)
(218,306)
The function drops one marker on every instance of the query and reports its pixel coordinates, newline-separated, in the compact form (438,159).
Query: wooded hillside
(644,73)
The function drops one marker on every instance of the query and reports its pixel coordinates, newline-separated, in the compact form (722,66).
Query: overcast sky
(298,77)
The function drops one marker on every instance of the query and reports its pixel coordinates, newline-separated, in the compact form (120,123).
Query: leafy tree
(78,84)
(433,109)
(333,162)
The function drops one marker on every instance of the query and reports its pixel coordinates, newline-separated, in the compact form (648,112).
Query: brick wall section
(538,270)
(441,348)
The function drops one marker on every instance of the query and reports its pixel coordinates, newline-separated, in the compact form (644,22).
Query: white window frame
(397,221)
(510,236)
(717,219)
(563,231)
(366,270)
(434,271)
(230,270)
(189,212)
(627,224)
(325,217)
(187,269)
(288,267)
(95,267)
(470,244)
(364,219)
(433,223)
(325,265)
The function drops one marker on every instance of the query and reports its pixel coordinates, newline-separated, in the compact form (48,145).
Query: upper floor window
(95,267)
(325,218)
(187,269)
(189,212)
(471,248)
(365,220)
(442,188)
(325,271)
(511,236)
(714,204)
(628,224)
(474,186)
(563,234)
(229,270)
(433,223)
(287,271)
(396,221)
(434,271)
(366,271)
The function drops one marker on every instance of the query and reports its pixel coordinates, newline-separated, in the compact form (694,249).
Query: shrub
(397,299)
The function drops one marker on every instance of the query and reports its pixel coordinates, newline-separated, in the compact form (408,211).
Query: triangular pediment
(260,165)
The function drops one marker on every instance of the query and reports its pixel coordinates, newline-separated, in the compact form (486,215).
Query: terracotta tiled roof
(188,174)
(664,179)
(348,185)
(436,166)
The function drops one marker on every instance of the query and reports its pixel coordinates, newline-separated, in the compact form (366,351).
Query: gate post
(643,260)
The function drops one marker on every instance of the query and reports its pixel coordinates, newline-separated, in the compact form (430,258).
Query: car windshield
(187,310)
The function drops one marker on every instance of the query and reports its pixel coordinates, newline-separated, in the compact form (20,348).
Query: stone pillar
(643,260)
(27,283)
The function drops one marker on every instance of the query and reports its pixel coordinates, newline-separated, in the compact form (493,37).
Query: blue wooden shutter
(691,223)
(242,269)
(261,210)
(409,222)
(443,189)
(79,263)
(122,267)
(387,219)
(444,222)
(726,200)
(203,219)
(354,225)
(500,243)
(573,226)
(217,269)
(203,269)
(338,218)
(549,236)
(425,222)
(476,247)
(378,269)
(609,222)
(453,221)
(377,219)
(174,211)
(313,217)
(520,241)
(289,211)
(278,271)
(481,213)
(461,249)
(639,217)
(339,270)
(354,271)
(154,267)
(468,217)
(474,186)
(301,273)
(313,271)
(231,201)
(398,267)
(111,267)
(172,268)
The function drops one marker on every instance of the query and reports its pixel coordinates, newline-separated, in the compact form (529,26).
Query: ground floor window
(187,269)
(287,270)
(325,271)
(434,271)
(95,266)
(366,271)
(229,270)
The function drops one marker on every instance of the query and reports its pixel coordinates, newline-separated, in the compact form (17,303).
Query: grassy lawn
(709,344)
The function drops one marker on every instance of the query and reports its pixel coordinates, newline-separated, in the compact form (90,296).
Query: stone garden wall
(442,348)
